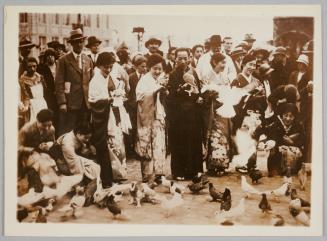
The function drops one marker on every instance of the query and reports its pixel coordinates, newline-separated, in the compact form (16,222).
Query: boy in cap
(93,44)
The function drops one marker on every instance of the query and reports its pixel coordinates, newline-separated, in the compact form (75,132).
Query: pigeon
(34,180)
(197,187)
(136,194)
(172,204)
(112,206)
(264,204)
(281,191)
(302,175)
(216,196)
(66,212)
(22,213)
(277,220)
(150,196)
(255,175)
(49,207)
(294,195)
(297,212)
(247,188)
(226,202)
(78,200)
(200,177)
(174,186)
(41,218)
(224,217)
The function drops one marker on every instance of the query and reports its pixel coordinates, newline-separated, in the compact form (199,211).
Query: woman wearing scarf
(217,128)
(32,88)
(185,130)
(151,144)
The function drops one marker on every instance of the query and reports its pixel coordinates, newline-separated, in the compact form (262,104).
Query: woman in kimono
(216,128)
(150,143)
(32,88)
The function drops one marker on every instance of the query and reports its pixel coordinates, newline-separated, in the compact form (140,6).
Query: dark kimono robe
(185,132)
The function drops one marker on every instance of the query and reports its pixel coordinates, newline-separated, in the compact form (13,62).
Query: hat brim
(90,44)
(251,40)
(152,41)
(26,46)
(303,62)
(238,53)
(74,39)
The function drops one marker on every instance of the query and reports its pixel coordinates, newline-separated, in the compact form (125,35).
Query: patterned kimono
(150,143)
(217,128)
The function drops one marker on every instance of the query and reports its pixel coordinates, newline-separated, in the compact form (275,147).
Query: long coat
(68,71)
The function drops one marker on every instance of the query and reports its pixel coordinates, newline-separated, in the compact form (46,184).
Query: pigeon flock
(170,199)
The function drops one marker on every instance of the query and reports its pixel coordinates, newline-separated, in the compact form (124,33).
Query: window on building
(98,21)
(87,20)
(44,18)
(57,18)
(67,19)
(107,20)
(23,17)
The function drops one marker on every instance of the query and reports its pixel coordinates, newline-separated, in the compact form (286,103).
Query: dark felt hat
(91,41)
(26,43)
(76,34)
(249,37)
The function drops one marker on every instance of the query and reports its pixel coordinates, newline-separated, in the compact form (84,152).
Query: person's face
(250,44)
(288,118)
(220,66)
(25,52)
(78,45)
(156,70)
(215,48)
(105,69)
(249,67)
(228,43)
(141,68)
(279,58)
(172,55)
(95,48)
(153,47)
(239,57)
(50,59)
(259,56)
(182,59)
(84,138)
(31,68)
(44,126)
(198,52)
(301,67)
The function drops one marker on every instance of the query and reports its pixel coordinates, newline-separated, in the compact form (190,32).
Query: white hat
(303,59)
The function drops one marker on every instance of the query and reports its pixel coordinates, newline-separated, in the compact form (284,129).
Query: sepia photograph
(165,119)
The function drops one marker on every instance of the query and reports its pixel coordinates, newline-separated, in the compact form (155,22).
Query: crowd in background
(90,113)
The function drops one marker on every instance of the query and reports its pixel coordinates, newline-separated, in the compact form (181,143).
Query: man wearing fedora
(153,45)
(237,55)
(93,44)
(204,67)
(74,71)
(249,39)
(25,47)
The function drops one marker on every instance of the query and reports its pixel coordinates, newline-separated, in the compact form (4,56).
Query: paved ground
(197,208)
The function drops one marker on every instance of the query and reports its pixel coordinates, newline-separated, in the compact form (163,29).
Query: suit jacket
(90,56)
(169,67)
(68,71)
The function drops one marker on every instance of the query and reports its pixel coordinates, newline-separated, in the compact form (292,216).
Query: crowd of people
(90,113)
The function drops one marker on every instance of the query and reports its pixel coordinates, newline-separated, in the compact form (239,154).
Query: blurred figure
(48,71)
(207,45)
(25,47)
(33,87)
(153,45)
(204,67)
(280,75)
(237,56)
(197,52)
(250,40)
(140,70)
(228,44)
(124,60)
(93,44)
(170,64)
(74,71)
(58,47)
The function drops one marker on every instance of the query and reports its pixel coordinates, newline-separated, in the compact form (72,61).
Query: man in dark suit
(93,44)
(153,45)
(74,71)
(170,64)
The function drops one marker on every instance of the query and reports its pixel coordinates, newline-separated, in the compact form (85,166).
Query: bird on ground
(41,216)
(231,215)
(277,220)
(78,200)
(264,205)
(297,212)
(288,177)
(215,195)
(281,191)
(172,204)
(174,186)
(112,206)
(49,207)
(22,213)
(247,188)
(197,187)
(302,175)
(136,194)
(200,177)
(294,195)
(226,202)
(255,175)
